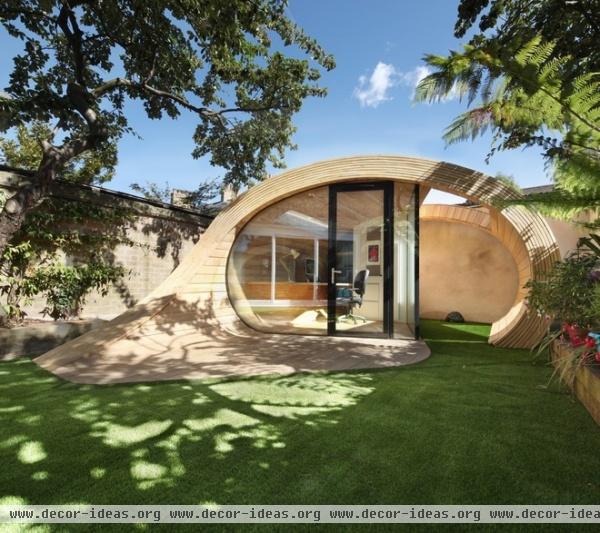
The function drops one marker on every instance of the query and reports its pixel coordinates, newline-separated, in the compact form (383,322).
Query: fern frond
(469,125)
(433,88)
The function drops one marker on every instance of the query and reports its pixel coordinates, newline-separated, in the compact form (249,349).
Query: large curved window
(280,265)
(277,271)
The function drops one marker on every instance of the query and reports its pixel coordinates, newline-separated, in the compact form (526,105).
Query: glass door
(360,255)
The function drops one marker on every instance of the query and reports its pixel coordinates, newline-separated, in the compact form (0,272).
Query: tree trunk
(25,199)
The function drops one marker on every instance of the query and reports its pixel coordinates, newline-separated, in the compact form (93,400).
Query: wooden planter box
(586,384)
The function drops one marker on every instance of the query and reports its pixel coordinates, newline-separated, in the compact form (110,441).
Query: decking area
(195,354)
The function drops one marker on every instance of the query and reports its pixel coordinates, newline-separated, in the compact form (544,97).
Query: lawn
(471,425)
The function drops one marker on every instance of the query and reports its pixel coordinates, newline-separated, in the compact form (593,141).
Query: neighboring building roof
(538,189)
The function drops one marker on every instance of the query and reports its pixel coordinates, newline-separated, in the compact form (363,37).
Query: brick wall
(163,235)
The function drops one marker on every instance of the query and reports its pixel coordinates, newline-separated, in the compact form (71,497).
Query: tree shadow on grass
(180,442)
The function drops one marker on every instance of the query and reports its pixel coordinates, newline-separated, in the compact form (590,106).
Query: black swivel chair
(353,297)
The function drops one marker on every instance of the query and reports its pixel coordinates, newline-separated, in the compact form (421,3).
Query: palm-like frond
(469,125)
(534,104)
(559,204)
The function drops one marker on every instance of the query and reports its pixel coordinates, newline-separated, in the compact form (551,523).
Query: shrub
(570,291)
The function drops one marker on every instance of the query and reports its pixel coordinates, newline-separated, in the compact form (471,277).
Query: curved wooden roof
(195,295)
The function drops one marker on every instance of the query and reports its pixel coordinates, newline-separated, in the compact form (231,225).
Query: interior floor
(314,322)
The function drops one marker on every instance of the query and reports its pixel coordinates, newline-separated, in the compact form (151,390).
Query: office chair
(353,297)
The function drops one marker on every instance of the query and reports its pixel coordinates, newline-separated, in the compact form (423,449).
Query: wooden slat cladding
(201,276)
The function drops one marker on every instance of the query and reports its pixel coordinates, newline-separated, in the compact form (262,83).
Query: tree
(83,60)
(33,263)
(199,198)
(24,152)
(573,25)
(532,77)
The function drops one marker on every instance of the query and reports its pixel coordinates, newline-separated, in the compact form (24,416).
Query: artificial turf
(471,425)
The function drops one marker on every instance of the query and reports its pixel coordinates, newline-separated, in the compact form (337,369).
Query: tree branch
(203,111)
(73,35)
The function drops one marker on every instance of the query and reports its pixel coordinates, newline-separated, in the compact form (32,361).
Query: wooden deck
(199,354)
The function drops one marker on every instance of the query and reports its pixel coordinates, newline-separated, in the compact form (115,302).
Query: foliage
(15,287)
(33,262)
(509,181)
(222,61)
(25,152)
(66,287)
(531,76)
(197,199)
(154,191)
(574,26)
(570,291)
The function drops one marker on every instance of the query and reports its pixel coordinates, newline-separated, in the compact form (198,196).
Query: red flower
(590,342)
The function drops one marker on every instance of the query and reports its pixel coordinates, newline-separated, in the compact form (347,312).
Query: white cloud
(372,92)
(375,89)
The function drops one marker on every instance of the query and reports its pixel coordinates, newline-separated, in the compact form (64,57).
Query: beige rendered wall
(465,269)
(566,233)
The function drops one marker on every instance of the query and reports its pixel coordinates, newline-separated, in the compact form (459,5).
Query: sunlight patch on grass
(32,420)
(149,475)
(13,500)
(15,440)
(223,417)
(145,470)
(303,390)
(42,475)
(200,399)
(119,436)
(262,437)
(12,409)
(291,412)
(97,472)
(86,410)
(31,452)
(142,452)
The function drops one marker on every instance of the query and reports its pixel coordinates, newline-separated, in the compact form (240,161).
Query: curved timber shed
(288,256)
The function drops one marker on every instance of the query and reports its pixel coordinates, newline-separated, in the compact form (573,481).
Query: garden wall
(163,234)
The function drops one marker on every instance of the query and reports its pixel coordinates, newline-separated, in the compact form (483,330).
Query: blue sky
(378,46)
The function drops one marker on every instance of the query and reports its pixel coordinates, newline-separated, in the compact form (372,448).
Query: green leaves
(25,152)
(211,58)
(65,287)
(534,104)
(532,77)
(81,230)
(569,292)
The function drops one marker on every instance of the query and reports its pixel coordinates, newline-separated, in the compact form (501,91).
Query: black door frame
(388,253)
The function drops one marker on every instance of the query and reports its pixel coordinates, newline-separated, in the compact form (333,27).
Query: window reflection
(277,272)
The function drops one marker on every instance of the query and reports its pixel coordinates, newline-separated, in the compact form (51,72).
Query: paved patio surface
(192,354)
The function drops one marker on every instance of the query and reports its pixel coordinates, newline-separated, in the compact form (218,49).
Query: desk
(285,290)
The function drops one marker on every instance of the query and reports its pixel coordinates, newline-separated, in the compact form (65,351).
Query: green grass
(471,425)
